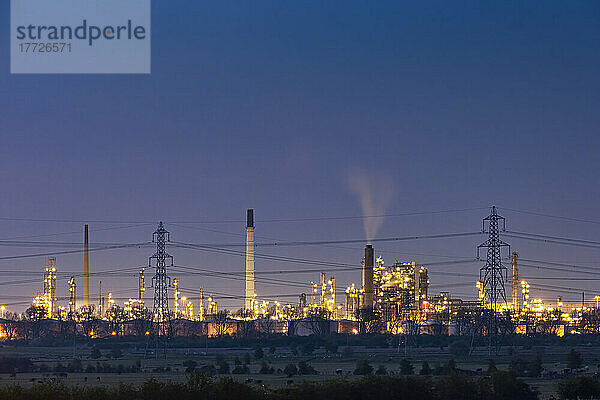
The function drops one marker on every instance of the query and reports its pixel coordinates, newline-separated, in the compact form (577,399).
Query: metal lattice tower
(161,283)
(493,275)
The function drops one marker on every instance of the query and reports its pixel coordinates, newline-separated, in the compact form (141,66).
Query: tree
(581,387)
(116,316)
(305,368)
(75,366)
(222,323)
(95,353)
(241,369)
(536,367)
(363,368)
(290,370)
(33,321)
(491,367)
(265,325)
(406,367)
(574,359)
(459,348)
(190,366)
(506,386)
(259,353)
(222,365)
(266,369)
(10,325)
(89,322)
(381,370)
(451,366)
(142,321)
(307,348)
(319,326)
(331,347)
(116,353)
(369,321)
(35,313)
(425,369)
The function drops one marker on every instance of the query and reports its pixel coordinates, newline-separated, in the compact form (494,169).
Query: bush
(363,368)
(208,369)
(459,348)
(259,353)
(266,369)
(450,366)
(455,387)
(95,353)
(574,359)
(506,386)
(348,352)
(425,369)
(223,367)
(502,386)
(241,369)
(491,367)
(307,348)
(524,368)
(75,366)
(9,365)
(331,347)
(190,366)
(305,368)
(290,370)
(406,368)
(581,387)
(43,368)
(116,353)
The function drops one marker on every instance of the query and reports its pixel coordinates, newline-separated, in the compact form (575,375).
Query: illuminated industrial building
(72,297)
(46,300)
(396,295)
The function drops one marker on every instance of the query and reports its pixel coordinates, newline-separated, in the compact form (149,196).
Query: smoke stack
(86,267)
(249,298)
(367,276)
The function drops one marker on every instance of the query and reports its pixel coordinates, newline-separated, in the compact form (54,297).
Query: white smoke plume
(375,192)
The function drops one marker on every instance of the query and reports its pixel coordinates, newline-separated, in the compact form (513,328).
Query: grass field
(328,365)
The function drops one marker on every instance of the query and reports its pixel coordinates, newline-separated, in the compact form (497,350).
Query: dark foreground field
(500,386)
(291,368)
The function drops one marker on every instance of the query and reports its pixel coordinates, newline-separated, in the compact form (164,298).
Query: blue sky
(271,104)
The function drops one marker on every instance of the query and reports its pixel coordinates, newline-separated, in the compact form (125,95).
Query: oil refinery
(391,297)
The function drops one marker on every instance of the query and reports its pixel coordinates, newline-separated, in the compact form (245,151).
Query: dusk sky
(279,106)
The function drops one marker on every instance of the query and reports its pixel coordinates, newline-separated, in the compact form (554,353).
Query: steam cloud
(375,192)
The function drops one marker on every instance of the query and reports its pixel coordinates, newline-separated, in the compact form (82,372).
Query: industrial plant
(391,297)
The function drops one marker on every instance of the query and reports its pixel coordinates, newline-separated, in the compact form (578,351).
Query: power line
(588,221)
(565,239)
(225,221)
(73,251)
(75,232)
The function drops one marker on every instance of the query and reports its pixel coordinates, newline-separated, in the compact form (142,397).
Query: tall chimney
(249,298)
(367,276)
(86,268)
(515,281)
